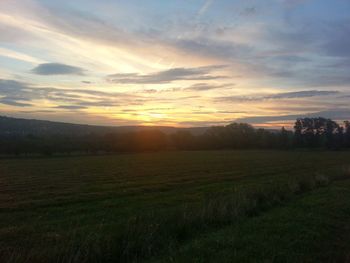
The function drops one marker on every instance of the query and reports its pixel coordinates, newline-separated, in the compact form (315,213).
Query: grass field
(224,206)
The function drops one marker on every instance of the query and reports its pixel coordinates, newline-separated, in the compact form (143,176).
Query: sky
(175,63)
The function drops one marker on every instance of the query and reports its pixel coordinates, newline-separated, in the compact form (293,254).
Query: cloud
(206,86)
(337,42)
(283,95)
(102,102)
(18,55)
(167,76)
(98,42)
(70,107)
(38,111)
(14,103)
(248,11)
(302,94)
(332,114)
(149,91)
(195,87)
(10,86)
(57,69)
(200,40)
(203,123)
(13,93)
(16,93)
(260,43)
(218,49)
(293,3)
(205,7)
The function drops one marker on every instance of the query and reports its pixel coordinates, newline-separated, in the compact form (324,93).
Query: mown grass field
(213,206)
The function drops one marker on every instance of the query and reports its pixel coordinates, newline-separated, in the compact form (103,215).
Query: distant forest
(320,133)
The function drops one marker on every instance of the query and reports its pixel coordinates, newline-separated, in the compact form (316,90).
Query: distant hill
(18,126)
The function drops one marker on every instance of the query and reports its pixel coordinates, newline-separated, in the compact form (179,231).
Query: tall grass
(147,236)
(144,237)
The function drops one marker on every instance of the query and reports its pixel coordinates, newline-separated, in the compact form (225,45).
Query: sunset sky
(175,63)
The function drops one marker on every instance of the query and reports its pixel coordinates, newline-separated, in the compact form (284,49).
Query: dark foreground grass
(147,236)
(312,228)
(143,206)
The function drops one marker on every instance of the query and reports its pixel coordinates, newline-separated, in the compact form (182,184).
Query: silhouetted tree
(308,132)
(339,138)
(330,130)
(298,133)
(317,132)
(347,133)
(183,140)
(284,141)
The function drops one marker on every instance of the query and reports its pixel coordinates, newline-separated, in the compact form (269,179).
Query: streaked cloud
(335,114)
(5,52)
(14,102)
(70,107)
(19,94)
(284,95)
(205,7)
(207,86)
(167,76)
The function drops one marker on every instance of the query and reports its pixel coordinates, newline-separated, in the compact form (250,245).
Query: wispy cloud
(205,7)
(249,11)
(70,107)
(207,86)
(5,52)
(336,114)
(13,102)
(284,95)
(167,76)
(19,94)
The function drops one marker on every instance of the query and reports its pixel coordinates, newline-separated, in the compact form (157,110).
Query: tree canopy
(319,133)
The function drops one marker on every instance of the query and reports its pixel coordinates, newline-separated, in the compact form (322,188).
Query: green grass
(312,228)
(159,207)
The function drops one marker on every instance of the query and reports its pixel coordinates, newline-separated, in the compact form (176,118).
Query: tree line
(319,133)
